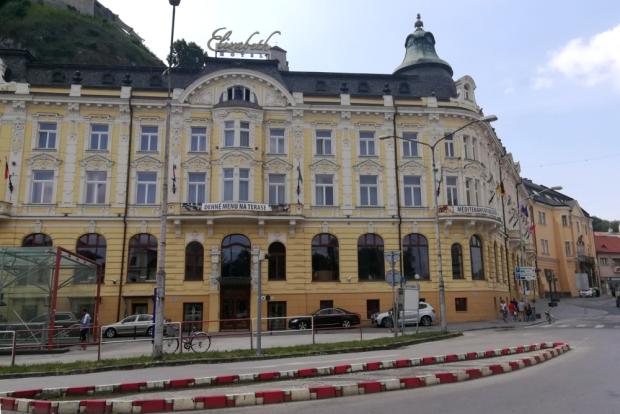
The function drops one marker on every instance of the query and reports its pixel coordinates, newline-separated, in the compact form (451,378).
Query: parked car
(617,301)
(586,293)
(427,317)
(140,324)
(326,317)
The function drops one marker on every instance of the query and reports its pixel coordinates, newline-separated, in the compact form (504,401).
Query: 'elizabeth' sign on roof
(220,43)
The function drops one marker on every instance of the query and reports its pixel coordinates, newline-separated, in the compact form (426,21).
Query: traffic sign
(392,277)
(525,273)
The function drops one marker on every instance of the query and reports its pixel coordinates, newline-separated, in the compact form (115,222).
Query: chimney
(279,54)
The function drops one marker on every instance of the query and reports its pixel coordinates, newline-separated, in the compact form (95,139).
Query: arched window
(194,261)
(142,264)
(238,93)
(277,261)
(236,256)
(477,262)
(94,247)
(457,261)
(37,240)
(370,262)
(415,256)
(325,261)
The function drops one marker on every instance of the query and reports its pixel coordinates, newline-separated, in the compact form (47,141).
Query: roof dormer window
(239,93)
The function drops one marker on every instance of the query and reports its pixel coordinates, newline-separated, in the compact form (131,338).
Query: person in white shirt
(84,327)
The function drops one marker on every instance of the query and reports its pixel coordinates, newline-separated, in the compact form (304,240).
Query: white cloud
(588,62)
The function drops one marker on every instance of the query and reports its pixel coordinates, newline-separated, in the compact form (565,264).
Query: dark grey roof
(549,197)
(423,81)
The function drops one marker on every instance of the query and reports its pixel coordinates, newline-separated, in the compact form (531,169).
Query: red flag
(533,228)
(6,169)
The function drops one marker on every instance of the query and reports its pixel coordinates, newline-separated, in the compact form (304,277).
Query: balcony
(5,209)
(234,208)
(475,213)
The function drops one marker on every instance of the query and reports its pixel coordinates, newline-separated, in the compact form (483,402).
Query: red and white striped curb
(23,401)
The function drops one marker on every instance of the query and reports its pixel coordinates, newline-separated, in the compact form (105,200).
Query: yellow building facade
(263,160)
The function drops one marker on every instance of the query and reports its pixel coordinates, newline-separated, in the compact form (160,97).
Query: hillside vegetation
(64,36)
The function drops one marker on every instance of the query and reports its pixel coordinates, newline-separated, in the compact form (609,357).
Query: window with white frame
(369,189)
(197,188)
(413,190)
(474,148)
(236,134)
(42,186)
(146,187)
(469,188)
(367,143)
(96,185)
(236,184)
(564,221)
(277,188)
(476,198)
(545,246)
(449,147)
(276,141)
(604,261)
(578,227)
(198,139)
(324,142)
(568,248)
(324,190)
(99,136)
(46,138)
(410,145)
(542,218)
(148,138)
(452,191)
(466,149)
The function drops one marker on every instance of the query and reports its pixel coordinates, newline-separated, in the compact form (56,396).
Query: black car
(617,300)
(326,317)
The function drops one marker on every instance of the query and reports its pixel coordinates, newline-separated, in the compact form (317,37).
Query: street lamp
(442,287)
(160,277)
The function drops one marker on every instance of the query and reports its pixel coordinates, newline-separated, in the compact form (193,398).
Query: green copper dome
(420,47)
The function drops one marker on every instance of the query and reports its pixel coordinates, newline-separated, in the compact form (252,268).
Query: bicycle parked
(196,341)
(549,317)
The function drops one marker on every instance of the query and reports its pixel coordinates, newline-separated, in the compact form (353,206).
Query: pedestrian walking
(503,309)
(521,308)
(84,327)
(528,312)
(512,308)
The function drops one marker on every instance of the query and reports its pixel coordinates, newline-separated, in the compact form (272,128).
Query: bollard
(99,346)
(13,352)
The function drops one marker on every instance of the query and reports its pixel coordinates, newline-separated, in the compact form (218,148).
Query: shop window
(236,256)
(142,264)
(370,261)
(94,247)
(194,261)
(37,240)
(415,256)
(477,261)
(325,259)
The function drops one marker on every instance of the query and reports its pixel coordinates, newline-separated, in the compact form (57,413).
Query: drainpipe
(397,175)
(123,255)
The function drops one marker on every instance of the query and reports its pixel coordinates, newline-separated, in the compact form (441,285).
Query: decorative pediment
(147,162)
(412,166)
(44,161)
(368,167)
(235,158)
(97,162)
(278,165)
(196,163)
(324,166)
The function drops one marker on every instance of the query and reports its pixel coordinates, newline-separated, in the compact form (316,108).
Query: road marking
(599,326)
(616,326)
(581,325)
(562,326)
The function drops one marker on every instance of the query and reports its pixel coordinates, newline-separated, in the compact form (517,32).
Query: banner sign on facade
(228,206)
(525,273)
(469,210)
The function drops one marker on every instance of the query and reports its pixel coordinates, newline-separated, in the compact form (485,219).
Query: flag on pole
(300,180)
(174,179)
(533,228)
(6,169)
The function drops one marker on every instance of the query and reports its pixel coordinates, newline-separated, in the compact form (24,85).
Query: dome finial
(419,24)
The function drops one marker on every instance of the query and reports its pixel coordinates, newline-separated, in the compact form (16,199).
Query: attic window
(155,80)
(467,92)
(403,88)
(320,86)
(58,77)
(107,79)
(362,87)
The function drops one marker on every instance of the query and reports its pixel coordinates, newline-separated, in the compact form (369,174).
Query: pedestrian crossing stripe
(599,326)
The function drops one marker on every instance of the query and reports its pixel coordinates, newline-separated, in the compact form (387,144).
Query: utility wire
(551,164)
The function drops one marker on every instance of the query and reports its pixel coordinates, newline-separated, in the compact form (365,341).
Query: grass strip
(82,367)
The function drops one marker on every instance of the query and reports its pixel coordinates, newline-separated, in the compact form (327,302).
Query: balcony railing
(237,207)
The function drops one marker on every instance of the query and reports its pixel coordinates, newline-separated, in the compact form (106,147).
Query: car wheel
(302,325)
(387,323)
(346,323)
(426,321)
(110,333)
(149,332)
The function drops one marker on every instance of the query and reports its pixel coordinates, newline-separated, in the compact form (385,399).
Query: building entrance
(235,286)
(234,308)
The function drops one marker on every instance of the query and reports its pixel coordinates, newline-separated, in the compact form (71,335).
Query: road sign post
(392,278)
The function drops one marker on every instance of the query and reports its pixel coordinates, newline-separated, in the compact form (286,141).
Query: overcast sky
(550,70)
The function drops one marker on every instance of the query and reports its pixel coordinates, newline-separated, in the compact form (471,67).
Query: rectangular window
(324,190)
(410,146)
(368,190)
(47,135)
(603,261)
(229,133)
(147,187)
(148,138)
(197,188)
(99,135)
(542,218)
(324,304)
(244,184)
(474,148)
(244,134)
(578,227)
(452,198)
(323,142)
(476,199)
(564,221)
(367,143)
(449,147)
(229,184)
(545,246)
(568,248)
(372,307)
(276,189)
(413,190)
(460,304)
(468,191)
(42,186)
(198,139)
(466,149)
(96,182)
(276,141)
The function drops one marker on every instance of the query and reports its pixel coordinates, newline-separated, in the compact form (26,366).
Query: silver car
(427,317)
(134,325)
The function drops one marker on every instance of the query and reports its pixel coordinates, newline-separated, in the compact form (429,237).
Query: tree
(599,224)
(187,55)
